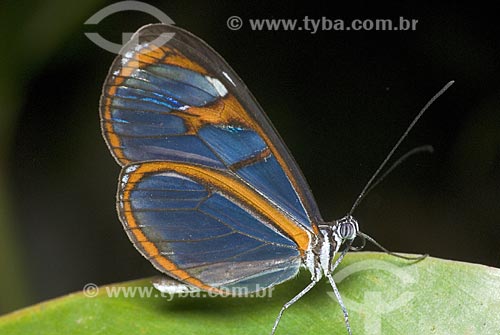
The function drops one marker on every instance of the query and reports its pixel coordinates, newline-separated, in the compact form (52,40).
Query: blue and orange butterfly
(209,193)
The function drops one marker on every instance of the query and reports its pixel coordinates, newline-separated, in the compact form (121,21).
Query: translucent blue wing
(192,227)
(170,97)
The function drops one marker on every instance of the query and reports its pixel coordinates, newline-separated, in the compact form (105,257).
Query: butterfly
(208,191)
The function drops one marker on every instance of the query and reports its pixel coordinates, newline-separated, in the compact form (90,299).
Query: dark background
(339,99)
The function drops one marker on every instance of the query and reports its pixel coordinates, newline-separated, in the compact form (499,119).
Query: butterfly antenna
(396,146)
(409,258)
(417,150)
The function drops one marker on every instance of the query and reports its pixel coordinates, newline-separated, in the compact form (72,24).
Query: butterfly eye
(347,228)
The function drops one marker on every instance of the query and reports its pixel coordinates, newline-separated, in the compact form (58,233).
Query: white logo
(127,36)
(374,300)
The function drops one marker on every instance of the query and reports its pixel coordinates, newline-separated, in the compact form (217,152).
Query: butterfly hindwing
(207,228)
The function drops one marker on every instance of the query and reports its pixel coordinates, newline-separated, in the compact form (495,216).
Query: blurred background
(340,100)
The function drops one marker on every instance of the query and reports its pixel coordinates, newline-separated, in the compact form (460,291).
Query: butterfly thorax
(332,235)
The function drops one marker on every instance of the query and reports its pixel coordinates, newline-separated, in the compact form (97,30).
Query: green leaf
(383,294)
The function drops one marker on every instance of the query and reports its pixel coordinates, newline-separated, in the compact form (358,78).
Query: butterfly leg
(341,303)
(291,302)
